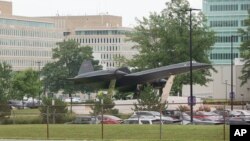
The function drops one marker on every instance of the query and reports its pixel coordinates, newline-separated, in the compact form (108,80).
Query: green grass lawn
(116,132)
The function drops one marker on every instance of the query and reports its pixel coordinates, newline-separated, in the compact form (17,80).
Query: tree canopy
(68,57)
(245,50)
(26,83)
(163,39)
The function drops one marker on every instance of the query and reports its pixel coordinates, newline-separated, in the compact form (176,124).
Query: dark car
(85,120)
(172,113)
(16,104)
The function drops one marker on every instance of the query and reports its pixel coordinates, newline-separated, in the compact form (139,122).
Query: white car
(142,121)
(244,114)
(74,100)
(154,115)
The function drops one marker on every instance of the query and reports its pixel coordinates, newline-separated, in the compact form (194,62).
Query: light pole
(39,95)
(232,93)
(242,95)
(191,65)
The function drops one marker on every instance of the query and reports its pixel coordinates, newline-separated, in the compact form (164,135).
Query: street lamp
(232,93)
(191,65)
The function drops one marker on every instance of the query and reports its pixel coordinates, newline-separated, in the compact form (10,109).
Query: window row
(98,40)
(245,6)
(101,32)
(26,63)
(27,33)
(30,43)
(7,52)
(106,48)
(110,56)
(225,39)
(26,23)
(224,23)
(233,7)
(110,64)
(219,56)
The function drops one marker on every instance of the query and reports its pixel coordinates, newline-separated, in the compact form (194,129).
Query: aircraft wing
(159,73)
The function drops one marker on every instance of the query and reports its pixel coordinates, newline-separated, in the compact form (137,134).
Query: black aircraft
(124,80)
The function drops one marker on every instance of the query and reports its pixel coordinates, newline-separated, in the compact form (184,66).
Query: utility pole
(232,93)
(191,65)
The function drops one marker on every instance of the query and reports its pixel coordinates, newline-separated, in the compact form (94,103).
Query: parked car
(186,119)
(248,106)
(155,115)
(208,116)
(109,119)
(74,100)
(172,113)
(142,121)
(85,120)
(243,114)
(16,104)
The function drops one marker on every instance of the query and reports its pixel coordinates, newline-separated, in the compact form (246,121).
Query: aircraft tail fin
(86,67)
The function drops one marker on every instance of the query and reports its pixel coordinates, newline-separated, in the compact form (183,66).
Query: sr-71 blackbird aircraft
(124,80)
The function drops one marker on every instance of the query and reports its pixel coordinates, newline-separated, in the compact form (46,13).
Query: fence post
(160,121)
(102,117)
(224,118)
(47,114)
(14,117)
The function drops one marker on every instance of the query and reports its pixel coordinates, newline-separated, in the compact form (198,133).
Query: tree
(148,100)
(245,51)
(105,107)
(57,113)
(163,39)
(68,57)
(26,83)
(5,77)
(5,85)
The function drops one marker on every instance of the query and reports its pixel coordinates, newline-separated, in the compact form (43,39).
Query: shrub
(219,108)
(183,108)
(204,108)
(5,111)
(56,113)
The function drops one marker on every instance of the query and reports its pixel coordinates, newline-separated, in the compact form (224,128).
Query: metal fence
(89,121)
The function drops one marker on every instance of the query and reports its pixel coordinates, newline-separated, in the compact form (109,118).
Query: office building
(104,33)
(225,17)
(26,42)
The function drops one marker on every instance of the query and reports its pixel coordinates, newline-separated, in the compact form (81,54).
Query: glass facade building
(225,17)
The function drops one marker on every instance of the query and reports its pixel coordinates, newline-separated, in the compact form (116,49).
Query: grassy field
(115,132)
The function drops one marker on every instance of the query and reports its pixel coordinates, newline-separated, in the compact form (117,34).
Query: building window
(223,56)
(224,23)
(224,7)
(225,39)
(245,6)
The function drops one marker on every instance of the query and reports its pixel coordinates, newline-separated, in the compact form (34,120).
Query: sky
(128,9)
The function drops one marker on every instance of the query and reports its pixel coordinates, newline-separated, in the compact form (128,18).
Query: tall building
(225,17)
(26,42)
(104,33)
